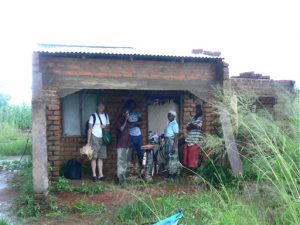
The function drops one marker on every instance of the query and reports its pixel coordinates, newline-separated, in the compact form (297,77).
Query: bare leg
(93,163)
(100,167)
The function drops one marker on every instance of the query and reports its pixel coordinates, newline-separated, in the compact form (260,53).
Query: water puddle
(7,193)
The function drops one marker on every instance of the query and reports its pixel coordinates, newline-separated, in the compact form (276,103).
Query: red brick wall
(54,131)
(274,95)
(189,110)
(128,69)
(61,149)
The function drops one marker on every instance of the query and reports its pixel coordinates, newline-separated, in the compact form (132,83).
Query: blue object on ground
(172,220)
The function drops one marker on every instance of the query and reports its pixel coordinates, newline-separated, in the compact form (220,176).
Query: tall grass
(269,190)
(271,152)
(18,116)
(15,122)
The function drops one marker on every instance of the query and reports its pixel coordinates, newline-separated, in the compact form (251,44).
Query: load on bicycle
(161,155)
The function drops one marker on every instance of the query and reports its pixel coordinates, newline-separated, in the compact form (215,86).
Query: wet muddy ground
(7,192)
(112,198)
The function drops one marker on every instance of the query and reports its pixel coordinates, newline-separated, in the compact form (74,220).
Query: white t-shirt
(134,117)
(97,130)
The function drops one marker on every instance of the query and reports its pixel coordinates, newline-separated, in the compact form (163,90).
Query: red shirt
(123,137)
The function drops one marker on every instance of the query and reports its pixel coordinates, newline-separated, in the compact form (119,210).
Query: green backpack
(106,134)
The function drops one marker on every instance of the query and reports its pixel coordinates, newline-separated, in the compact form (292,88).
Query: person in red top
(123,145)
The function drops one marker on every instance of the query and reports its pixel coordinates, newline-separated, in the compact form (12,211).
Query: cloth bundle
(87,150)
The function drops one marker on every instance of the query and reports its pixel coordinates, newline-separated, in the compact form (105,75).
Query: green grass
(13,141)
(86,208)
(15,122)
(16,147)
(64,185)
(5,221)
(199,208)
(25,204)
(18,116)
(267,193)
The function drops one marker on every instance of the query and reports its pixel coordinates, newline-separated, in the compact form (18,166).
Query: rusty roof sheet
(125,51)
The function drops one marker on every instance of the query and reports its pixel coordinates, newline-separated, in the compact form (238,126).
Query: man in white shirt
(98,121)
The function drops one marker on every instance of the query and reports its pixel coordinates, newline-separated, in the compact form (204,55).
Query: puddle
(7,194)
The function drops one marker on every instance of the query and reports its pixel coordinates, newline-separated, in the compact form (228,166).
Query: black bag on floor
(73,170)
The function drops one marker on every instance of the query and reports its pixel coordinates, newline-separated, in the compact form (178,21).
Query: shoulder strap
(99,118)
(94,119)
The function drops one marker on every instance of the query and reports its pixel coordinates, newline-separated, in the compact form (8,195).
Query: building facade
(68,81)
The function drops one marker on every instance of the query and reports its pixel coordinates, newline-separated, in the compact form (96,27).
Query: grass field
(15,123)
(267,193)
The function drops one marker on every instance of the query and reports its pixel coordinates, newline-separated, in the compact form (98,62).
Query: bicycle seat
(147,147)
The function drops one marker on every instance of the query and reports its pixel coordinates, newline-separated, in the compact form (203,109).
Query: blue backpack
(73,170)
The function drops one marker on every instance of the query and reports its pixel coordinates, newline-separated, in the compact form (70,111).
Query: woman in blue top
(171,136)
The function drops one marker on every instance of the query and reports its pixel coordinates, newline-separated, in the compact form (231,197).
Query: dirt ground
(113,200)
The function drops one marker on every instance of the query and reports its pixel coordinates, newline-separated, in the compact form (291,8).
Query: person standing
(171,132)
(97,122)
(135,123)
(123,145)
(191,147)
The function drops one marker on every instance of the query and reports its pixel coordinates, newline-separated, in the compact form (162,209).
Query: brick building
(68,80)
(272,94)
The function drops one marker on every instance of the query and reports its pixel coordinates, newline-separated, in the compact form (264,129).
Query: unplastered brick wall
(189,110)
(62,148)
(251,82)
(127,68)
(273,93)
(54,131)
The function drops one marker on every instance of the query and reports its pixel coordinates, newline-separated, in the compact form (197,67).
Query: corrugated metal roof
(122,51)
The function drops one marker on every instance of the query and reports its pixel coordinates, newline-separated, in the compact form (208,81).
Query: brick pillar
(54,131)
